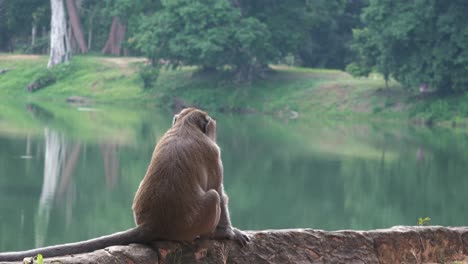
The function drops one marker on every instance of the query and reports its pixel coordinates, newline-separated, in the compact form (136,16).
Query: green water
(69,173)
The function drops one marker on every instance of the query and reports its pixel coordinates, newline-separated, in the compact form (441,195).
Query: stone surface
(2,71)
(401,244)
(76,99)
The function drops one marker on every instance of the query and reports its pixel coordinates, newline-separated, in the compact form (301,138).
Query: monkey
(180,198)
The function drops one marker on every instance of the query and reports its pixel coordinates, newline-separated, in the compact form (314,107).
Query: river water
(69,173)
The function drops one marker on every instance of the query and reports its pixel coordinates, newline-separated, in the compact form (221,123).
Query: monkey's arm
(225,219)
(224,228)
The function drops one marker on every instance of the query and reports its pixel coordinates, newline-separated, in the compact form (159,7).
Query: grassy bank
(285,92)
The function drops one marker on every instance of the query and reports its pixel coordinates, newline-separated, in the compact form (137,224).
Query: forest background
(422,45)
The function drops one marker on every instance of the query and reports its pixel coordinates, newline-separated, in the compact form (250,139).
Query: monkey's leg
(224,228)
(206,219)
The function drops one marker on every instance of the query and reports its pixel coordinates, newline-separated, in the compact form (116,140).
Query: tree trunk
(75,25)
(45,49)
(73,44)
(3,32)
(90,21)
(90,37)
(121,34)
(33,35)
(116,37)
(59,42)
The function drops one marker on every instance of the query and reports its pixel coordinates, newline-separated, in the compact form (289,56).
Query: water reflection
(53,162)
(83,168)
(111,164)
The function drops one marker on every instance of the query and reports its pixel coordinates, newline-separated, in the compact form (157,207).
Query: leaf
(423,221)
(40,259)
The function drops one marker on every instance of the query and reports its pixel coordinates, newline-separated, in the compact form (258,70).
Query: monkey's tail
(133,235)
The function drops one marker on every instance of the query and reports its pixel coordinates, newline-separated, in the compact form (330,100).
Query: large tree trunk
(75,25)
(116,37)
(59,42)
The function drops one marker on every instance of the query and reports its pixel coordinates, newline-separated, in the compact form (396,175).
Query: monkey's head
(198,118)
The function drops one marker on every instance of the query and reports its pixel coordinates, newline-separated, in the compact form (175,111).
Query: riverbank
(286,92)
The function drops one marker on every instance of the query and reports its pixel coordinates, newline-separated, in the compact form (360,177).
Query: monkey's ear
(205,129)
(210,128)
(174,119)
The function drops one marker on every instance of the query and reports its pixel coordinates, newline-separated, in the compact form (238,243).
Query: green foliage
(423,221)
(416,42)
(366,52)
(247,35)
(357,70)
(452,110)
(16,19)
(286,21)
(149,75)
(208,33)
(328,34)
(40,259)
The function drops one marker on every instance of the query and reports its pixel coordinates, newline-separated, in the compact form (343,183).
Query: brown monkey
(181,196)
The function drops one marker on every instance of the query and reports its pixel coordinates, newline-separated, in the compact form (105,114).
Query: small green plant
(423,221)
(40,259)
(149,75)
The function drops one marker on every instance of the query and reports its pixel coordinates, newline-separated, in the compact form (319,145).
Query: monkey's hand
(231,233)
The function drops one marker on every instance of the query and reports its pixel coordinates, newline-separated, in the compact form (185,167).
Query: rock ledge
(400,244)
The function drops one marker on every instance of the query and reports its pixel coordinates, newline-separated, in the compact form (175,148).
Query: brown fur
(181,196)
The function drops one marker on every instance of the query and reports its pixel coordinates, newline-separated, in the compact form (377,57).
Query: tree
(416,42)
(369,56)
(209,33)
(124,15)
(3,28)
(96,21)
(116,37)
(19,21)
(59,42)
(329,26)
(75,26)
(285,20)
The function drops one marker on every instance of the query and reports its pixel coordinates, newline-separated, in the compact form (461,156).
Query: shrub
(149,75)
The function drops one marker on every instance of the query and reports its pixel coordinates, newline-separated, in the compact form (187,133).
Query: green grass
(312,93)
(95,77)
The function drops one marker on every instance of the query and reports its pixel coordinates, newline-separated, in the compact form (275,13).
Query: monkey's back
(176,177)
